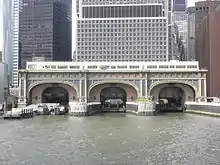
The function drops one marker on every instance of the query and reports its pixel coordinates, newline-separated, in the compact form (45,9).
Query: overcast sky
(190,3)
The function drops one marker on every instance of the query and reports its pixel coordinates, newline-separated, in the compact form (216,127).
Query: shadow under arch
(96,90)
(55,95)
(35,92)
(173,94)
(113,93)
(188,89)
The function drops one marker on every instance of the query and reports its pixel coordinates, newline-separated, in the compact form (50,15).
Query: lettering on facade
(104,67)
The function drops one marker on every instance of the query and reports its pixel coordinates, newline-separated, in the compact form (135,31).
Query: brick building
(209,39)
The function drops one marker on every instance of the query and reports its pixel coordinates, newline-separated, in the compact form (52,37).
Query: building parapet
(114,66)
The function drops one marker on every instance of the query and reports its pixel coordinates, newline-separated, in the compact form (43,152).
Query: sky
(190,3)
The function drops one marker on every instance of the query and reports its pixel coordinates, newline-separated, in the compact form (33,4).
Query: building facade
(44,31)
(201,11)
(191,34)
(1,56)
(85,81)
(179,5)
(210,47)
(4,86)
(126,30)
(10,38)
(179,18)
(8,35)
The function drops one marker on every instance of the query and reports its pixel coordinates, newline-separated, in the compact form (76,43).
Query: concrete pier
(146,108)
(203,108)
(77,109)
(19,113)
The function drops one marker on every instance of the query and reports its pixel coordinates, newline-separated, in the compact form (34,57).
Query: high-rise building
(123,30)
(10,38)
(1,56)
(8,35)
(180,19)
(191,34)
(4,85)
(44,31)
(209,41)
(201,11)
(179,5)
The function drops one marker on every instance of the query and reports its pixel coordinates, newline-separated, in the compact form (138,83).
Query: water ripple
(111,139)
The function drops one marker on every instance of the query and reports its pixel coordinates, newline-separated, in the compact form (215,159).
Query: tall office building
(123,30)
(209,48)
(180,19)
(179,5)
(201,11)
(191,34)
(10,38)
(1,56)
(44,31)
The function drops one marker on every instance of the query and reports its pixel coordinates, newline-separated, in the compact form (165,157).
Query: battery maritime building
(123,30)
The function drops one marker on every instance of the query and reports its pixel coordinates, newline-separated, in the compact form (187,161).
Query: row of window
(126,56)
(124,21)
(136,26)
(115,39)
(125,36)
(96,2)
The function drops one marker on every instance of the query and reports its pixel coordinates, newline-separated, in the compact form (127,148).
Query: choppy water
(119,139)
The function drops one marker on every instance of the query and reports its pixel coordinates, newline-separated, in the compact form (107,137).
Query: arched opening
(174,96)
(45,92)
(55,95)
(113,98)
(171,97)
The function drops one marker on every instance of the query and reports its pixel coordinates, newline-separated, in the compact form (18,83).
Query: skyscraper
(126,30)
(179,5)
(1,56)
(44,31)
(201,11)
(10,38)
(180,19)
(191,33)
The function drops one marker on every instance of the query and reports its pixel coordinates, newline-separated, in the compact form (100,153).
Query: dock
(19,113)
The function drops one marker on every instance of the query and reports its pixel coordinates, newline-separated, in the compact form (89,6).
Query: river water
(117,139)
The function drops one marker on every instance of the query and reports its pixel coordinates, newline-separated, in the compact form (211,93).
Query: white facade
(123,30)
(171,66)
(11,36)
(15,59)
(8,34)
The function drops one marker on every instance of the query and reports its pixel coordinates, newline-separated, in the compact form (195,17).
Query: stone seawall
(212,109)
(89,109)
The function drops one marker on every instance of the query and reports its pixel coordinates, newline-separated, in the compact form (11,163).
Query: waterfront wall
(89,109)
(203,107)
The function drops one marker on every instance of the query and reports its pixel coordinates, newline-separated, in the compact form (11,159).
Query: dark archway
(173,97)
(113,93)
(113,97)
(55,95)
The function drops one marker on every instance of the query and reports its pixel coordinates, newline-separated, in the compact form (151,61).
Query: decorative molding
(172,81)
(34,84)
(116,81)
